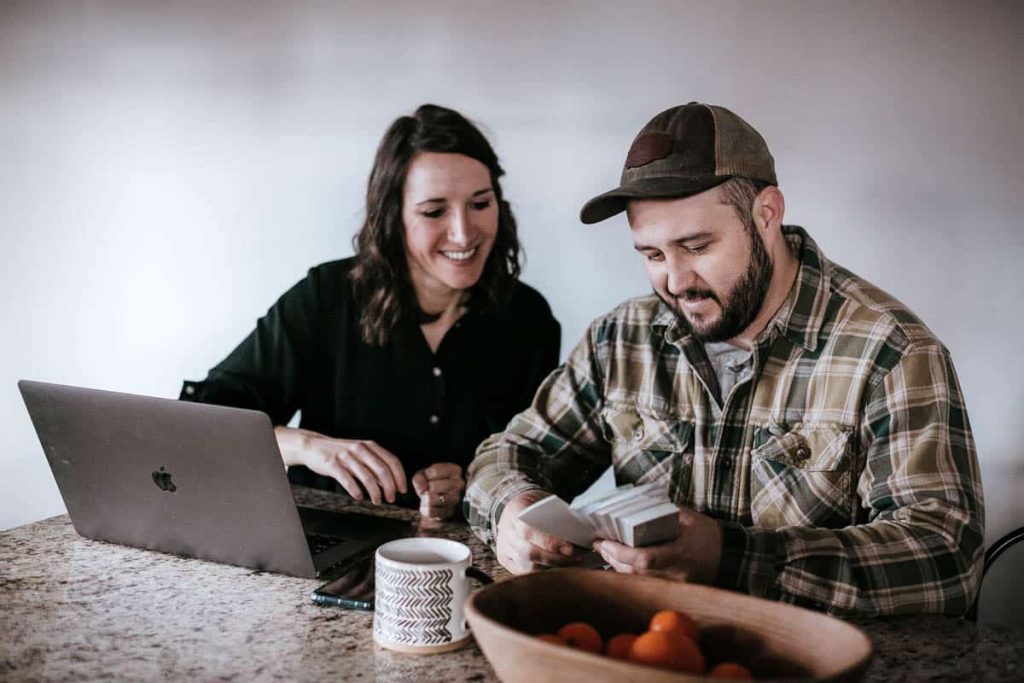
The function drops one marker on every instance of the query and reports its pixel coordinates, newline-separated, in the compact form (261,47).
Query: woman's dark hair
(380,280)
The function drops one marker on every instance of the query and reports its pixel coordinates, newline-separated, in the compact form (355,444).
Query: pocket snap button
(638,434)
(802,453)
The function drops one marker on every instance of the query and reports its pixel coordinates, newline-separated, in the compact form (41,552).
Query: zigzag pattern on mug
(390,621)
(417,608)
(406,631)
(389,592)
(412,582)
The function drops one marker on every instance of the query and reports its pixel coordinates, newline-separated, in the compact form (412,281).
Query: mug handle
(478,574)
(481,576)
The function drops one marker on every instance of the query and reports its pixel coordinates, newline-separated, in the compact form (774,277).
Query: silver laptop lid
(190,479)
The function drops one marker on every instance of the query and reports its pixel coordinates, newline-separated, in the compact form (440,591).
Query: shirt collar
(801,316)
(665,317)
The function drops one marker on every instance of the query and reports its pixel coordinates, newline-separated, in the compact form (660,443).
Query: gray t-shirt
(731,363)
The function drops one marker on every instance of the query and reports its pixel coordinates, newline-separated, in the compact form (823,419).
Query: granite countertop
(77,609)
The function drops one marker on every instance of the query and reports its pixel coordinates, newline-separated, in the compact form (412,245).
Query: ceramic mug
(421,590)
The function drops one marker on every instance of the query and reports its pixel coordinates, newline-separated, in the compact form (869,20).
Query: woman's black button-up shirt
(306,354)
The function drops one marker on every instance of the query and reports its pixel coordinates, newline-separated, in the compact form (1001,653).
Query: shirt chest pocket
(803,478)
(648,447)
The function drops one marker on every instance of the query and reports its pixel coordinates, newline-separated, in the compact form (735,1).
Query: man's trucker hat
(683,151)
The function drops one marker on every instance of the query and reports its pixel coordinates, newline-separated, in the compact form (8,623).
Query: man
(811,429)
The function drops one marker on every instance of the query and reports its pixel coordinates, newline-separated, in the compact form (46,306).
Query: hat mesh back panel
(741,151)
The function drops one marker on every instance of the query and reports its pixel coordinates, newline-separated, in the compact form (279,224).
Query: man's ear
(769,209)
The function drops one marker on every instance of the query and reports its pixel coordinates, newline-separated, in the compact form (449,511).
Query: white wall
(168,169)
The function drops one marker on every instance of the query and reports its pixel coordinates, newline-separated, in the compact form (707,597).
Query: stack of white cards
(634,515)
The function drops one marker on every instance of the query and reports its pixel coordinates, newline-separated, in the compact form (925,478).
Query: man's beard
(740,306)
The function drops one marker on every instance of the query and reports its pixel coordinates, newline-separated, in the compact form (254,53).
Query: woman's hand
(356,464)
(440,488)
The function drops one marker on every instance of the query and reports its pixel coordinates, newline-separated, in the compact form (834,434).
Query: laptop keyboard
(318,543)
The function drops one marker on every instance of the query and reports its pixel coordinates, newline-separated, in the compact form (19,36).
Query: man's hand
(522,548)
(693,556)
(440,488)
(356,464)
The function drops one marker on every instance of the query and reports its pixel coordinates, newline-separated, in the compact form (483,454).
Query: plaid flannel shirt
(842,471)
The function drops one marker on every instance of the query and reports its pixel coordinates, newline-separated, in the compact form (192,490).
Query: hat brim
(614,201)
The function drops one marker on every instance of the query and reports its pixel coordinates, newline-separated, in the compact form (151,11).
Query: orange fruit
(551,638)
(581,636)
(671,620)
(618,646)
(668,650)
(731,670)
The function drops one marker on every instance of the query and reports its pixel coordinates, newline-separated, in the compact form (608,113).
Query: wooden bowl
(775,640)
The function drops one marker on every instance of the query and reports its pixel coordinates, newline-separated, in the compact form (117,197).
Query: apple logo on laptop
(163,481)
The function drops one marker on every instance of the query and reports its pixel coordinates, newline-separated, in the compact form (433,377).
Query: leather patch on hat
(649,147)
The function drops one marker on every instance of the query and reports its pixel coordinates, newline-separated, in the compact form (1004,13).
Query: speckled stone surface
(73,609)
(934,648)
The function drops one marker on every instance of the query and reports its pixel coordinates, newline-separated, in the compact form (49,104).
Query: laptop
(190,479)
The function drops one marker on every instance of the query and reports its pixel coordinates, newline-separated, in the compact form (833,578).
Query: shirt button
(437,372)
(638,434)
(725,465)
(802,453)
(434,419)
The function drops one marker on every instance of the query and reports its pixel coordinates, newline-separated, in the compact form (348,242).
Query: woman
(403,358)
